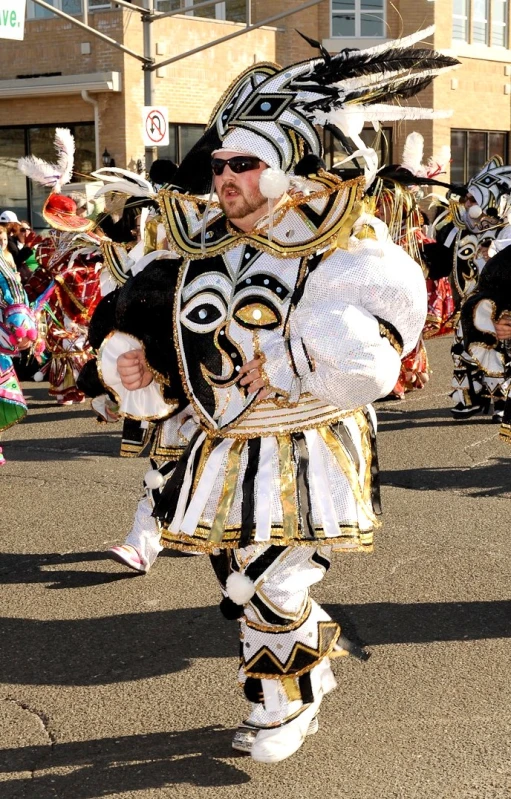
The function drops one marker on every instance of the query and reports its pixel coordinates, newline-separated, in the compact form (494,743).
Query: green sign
(12,19)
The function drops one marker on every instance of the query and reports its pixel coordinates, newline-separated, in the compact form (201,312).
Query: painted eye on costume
(467,251)
(253,313)
(203,313)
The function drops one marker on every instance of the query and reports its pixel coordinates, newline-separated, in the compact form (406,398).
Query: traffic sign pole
(149,75)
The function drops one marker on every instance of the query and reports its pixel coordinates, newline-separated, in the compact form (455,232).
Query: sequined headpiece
(274,113)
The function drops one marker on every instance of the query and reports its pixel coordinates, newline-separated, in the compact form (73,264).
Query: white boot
(274,745)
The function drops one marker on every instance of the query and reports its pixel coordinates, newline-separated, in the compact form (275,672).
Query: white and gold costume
(318,291)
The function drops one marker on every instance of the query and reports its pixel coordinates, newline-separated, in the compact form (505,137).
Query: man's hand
(503,327)
(250,375)
(133,370)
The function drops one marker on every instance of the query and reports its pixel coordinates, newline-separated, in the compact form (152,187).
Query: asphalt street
(118,685)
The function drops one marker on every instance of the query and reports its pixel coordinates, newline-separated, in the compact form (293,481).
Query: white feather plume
(413,153)
(65,147)
(53,176)
(125,187)
(116,173)
(39,170)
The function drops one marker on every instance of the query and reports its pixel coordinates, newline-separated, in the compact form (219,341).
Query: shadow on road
(67,448)
(113,766)
(135,646)
(490,479)
(402,418)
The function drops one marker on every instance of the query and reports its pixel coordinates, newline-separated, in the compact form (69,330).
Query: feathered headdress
(53,176)
(273,113)
(59,211)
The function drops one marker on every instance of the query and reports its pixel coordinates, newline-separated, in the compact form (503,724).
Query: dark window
(182,139)
(471,149)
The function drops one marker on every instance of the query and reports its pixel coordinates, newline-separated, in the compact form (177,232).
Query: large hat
(59,211)
(274,113)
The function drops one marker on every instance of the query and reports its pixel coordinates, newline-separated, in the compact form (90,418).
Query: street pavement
(120,685)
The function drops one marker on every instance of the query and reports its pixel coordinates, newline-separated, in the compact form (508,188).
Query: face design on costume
(225,303)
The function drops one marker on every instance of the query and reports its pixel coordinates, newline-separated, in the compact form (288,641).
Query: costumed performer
(287,320)
(17,333)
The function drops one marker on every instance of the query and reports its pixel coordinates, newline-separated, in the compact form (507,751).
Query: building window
(182,139)
(23,196)
(499,14)
(471,149)
(380,140)
(358,18)
(35,11)
(460,28)
(231,10)
(480,22)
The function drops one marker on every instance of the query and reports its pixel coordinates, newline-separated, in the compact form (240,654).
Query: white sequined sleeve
(360,309)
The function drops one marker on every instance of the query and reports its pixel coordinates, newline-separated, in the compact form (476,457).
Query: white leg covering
(144,534)
(286,637)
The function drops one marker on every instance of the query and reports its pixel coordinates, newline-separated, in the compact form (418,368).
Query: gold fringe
(229,488)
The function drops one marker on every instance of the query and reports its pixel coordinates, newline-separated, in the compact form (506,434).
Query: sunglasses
(237,164)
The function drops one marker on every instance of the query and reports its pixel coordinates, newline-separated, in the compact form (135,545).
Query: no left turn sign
(155,126)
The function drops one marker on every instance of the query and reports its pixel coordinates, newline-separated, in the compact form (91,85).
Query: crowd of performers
(240,314)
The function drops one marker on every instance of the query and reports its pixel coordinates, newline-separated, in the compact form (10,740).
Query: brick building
(63,75)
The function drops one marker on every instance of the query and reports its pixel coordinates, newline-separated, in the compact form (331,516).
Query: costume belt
(271,418)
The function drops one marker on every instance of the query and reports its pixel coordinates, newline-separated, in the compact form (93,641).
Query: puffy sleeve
(361,310)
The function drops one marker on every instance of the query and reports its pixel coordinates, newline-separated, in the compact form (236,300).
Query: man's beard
(242,205)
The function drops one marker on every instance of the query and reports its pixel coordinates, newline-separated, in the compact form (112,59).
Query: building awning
(60,84)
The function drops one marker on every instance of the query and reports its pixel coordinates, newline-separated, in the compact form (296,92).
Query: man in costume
(478,228)
(279,312)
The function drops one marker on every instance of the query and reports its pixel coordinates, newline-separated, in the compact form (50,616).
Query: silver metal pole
(235,34)
(93,31)
(85,14)
(149,88)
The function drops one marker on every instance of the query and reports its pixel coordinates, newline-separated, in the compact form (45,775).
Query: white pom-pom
(240,588)
(38,377)
(273,183)
(475,211)
(153,479)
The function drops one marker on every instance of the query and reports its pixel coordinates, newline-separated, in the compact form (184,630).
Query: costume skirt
(309,486)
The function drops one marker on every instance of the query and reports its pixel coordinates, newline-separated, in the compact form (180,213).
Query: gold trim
(187,543)
(323,626)
(385,333)
(228,491)
(173,404)
(347,467)
(288,498)
(280,628)
(190,249)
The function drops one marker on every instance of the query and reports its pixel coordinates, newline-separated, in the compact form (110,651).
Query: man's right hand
(503,327)
(133,370)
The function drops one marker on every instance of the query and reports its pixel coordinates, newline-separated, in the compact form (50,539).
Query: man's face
(469,201)
(238,193)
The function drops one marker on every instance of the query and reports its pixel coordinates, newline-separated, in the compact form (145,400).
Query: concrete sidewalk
(117,685)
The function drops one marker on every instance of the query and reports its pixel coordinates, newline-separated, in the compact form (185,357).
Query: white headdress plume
(54,176)
(122,180)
